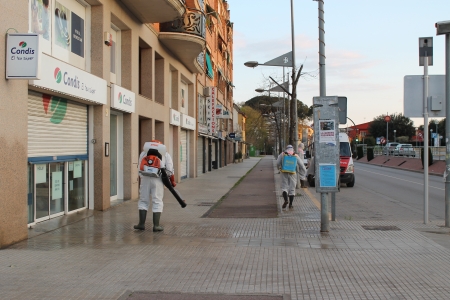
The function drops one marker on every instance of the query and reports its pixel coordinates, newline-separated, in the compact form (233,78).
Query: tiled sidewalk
(102,257)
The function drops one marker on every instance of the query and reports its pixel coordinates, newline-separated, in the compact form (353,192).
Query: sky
(369,47)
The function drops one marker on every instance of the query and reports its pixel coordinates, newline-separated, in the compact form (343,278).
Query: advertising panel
(222,113)
(66,79)
(122,99)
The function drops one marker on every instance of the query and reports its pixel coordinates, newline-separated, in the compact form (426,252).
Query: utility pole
(294,133)
(324,221)
(444,28)
(425,59)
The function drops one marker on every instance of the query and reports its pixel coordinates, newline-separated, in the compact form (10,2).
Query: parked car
(389,148)
(305,160)
(404,150)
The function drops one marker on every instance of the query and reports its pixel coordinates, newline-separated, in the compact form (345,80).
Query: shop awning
(209,68)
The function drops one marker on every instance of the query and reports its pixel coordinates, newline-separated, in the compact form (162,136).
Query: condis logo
(58,75)
(125,100)
(58,108)
(22,45)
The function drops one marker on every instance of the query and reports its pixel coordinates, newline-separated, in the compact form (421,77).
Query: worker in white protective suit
(287,163)
(301,172)
(151,182)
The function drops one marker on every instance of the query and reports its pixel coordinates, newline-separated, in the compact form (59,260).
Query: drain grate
(206,204)
(381,228)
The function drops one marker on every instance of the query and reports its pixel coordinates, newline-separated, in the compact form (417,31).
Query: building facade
(113,75)
(215,148)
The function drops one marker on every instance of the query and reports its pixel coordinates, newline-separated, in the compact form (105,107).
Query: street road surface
(387,194)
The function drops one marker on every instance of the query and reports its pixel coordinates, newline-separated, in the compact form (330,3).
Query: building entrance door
(49,190)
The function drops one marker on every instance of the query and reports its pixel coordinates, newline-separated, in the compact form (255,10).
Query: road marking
(315,201)
(400,179)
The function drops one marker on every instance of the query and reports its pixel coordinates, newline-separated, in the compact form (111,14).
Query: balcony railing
(192,22)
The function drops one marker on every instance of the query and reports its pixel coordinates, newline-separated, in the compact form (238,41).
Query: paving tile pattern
(102,257)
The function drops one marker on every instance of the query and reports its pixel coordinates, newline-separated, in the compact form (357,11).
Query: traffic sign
(383,140)
(387,118)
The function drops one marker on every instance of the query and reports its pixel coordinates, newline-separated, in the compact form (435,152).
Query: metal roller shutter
(213,153)
(200,155)
(56,126)
(183,156)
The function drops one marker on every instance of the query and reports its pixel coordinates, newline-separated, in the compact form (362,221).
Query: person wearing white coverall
(301,172)
(289,180)
(153,187)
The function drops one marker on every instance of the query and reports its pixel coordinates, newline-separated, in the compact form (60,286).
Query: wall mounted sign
(222,113)
(122,99)
(188,122)
(211,102)
(22,56)
(63,78)
(175,117)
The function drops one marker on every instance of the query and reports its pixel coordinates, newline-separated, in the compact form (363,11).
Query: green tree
(403,126)
(256,132)
(432,126)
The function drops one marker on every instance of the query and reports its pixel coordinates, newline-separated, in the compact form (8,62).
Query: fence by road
(438,152)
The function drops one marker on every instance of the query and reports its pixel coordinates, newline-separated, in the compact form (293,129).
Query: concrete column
(146,73)
(100,67)
(130,156)
(159,79)
(174,89)
(126,59)
(13,135)
(146,132)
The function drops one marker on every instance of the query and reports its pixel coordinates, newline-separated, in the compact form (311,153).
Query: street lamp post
(285,60)
(293,129)
(395,137)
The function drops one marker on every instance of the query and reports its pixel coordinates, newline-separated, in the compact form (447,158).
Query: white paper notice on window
(327,132)
(41,173)
(70,166)
(57,185)
(77,169)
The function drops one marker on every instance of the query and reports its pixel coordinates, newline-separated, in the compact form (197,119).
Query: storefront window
(77,187)
(61,23)
(42,190)
(56,188)
(30,194)
(113,156)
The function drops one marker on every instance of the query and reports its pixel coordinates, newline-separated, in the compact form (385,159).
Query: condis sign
(66,79)
(122,99)
(22,56)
